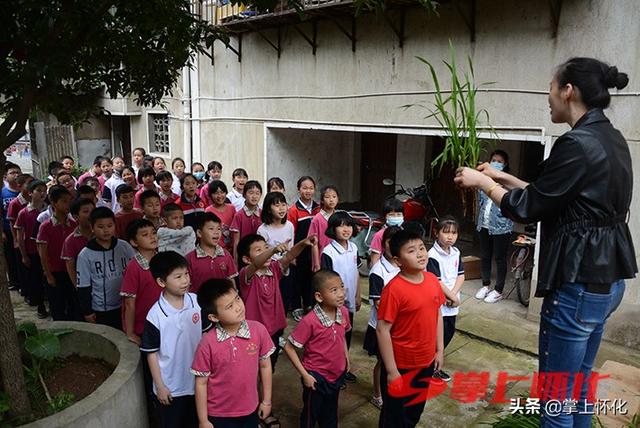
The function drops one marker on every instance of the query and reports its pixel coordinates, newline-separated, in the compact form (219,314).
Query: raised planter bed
(120,400)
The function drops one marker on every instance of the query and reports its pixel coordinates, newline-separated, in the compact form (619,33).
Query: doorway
(377,162)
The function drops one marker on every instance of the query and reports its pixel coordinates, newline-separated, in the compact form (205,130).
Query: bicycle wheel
(523,287)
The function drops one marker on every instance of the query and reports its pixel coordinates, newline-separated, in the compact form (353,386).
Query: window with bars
(159,133)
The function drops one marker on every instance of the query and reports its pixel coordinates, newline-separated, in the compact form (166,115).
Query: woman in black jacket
(582,199)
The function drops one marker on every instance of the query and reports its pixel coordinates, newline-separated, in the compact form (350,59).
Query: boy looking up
(127,213)
(229,360)
(321,333)
(25,225)
(174,236)
(409,330)
(172,331)
(80,210)
(139,289)
(260,282)
(100,269)
(209,260)
(51,235)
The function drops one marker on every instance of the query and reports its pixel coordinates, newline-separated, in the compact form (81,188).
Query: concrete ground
(491,338)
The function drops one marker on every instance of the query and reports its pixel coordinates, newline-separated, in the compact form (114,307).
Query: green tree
(58,57)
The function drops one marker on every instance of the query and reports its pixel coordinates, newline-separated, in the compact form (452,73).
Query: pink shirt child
(323,341)
(376,242)
(226,218)
(166,199)
(231,364)
(53,234)
(139,283)
(318,227)
(15,206)
(204,267)
(26,221)
(246,222)
(73,245)
(262,297)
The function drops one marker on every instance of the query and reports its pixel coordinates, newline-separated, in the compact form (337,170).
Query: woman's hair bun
(615,79)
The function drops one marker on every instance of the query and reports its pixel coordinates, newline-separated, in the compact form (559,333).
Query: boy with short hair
(321,333)
(63,300)
(226,387)
(139,289)
(146,177)
(260,282)
(173,236)
(25,225)
(209,259)
(94,171)
(409,330)
(9,192)
(80,210)
(125,195)
(172,331)
(151,208)
(100,269)
(15,206)
(165,182)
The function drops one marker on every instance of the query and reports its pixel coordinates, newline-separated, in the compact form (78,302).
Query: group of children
(201,278)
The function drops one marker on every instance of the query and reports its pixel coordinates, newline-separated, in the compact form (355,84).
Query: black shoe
(42,312)
(350,377)
(441,374)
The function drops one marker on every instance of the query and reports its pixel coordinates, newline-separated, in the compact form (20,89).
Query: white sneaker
(482,293)
(493,297)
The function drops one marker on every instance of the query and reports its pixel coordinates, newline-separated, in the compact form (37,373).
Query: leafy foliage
(58,56)
(458,115)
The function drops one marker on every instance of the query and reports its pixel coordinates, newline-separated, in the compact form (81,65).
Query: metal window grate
(159,127)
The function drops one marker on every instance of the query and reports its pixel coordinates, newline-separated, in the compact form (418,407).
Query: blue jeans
(571,326)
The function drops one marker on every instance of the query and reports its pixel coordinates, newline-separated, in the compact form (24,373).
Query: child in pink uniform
(329,199)
(321,333)
(246,220)
(260,279)
(230,362)
(80,210)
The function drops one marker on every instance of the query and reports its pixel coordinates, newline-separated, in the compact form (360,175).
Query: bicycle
(522,267)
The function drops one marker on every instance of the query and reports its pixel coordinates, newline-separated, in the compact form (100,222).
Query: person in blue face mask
(495,236)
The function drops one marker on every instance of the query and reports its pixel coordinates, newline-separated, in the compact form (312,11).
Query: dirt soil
(78,375)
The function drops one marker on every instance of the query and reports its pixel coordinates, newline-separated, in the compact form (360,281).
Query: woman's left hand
(468,177)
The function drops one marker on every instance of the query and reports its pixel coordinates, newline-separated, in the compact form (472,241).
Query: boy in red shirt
(63,300)
(409,331)
(127,213)
(209,260)
(321,333)
(231,360)
(24,226)
(80,210)
(139,289)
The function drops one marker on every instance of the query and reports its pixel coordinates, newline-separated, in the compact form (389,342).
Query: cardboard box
(471,267)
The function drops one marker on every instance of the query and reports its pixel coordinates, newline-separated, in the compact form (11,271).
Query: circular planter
(120,400)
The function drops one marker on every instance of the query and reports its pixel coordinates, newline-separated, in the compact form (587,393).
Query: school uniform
(109,192)
(226,218)
(447,267)
(231,365)
(263,301)
(123,220)
(63,300)
(33,276)
(138,283)
(236,199)
(246,222)
(345,262)
(15,206)
(174,335)
(300,216)
(380,274)
(323,341)
(203,267)
(167,199)
(9,195)
(190,208)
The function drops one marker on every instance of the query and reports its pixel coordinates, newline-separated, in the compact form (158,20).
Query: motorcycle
(420,214)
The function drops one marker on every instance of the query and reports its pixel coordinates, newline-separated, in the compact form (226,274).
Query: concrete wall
(327,156)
